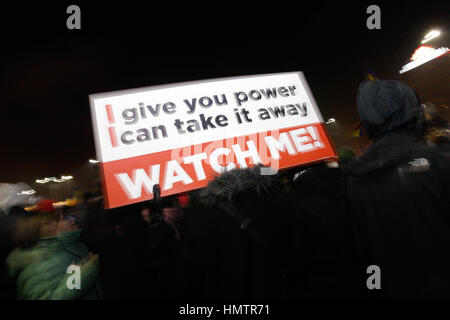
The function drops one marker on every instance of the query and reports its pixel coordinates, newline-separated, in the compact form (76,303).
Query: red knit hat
(45,205)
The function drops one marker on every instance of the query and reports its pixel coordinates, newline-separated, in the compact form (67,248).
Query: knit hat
(45,205)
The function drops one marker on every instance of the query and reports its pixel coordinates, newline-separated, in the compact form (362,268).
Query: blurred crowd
(309,232)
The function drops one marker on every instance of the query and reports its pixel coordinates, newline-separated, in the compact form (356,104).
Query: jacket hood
(228,185)
(384,152)
(388,105)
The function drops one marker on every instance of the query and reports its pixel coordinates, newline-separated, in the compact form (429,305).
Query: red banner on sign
(131,180)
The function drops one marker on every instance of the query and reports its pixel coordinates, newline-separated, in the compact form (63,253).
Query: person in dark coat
(331,266)
(165,261)
(397,193)
(121,254)
(87,218)
(238,230)
(8,242)
(139,255)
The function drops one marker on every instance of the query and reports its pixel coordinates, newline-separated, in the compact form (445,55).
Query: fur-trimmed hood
(228,185)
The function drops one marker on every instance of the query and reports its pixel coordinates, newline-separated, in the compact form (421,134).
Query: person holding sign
(180,136)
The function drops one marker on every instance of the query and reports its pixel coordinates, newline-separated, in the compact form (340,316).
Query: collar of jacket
(384,152)
(69,237)
(48,243)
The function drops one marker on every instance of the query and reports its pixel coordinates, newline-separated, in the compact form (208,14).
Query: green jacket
(70,242)
(41,271)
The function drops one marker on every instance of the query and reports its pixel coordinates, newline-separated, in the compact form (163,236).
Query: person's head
(88,197)
(254,194)
(127,222)
(146,215)
(36,226)
(66,223)
(389,105)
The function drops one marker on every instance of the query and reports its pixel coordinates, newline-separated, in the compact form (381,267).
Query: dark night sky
(48,71)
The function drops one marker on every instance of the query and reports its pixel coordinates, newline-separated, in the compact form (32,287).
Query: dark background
(48,71)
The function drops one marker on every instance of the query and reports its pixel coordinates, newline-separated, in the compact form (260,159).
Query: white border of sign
(94,96)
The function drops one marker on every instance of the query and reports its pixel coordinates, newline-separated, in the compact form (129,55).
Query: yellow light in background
(31,208)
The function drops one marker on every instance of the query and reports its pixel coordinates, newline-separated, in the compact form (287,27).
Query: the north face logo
(417,165)
(420,162)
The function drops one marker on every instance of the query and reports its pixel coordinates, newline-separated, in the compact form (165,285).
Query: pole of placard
(157,213)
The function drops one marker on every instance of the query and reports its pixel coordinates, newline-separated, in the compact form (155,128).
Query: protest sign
(180,136)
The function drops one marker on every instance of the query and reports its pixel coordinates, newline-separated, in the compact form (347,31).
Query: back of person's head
(254,195)
(128,223)
(29,228)
(18,211)
(389,105)
(238,186)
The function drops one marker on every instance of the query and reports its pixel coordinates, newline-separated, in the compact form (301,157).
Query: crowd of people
(309,232)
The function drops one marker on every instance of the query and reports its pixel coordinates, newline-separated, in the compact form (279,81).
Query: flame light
(423,54)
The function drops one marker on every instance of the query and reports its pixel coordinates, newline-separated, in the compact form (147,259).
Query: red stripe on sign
(131,180)
(113,136)
(110,114)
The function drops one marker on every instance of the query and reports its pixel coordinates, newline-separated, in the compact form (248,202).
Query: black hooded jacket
(236,260)
(397,193)
(331,267)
